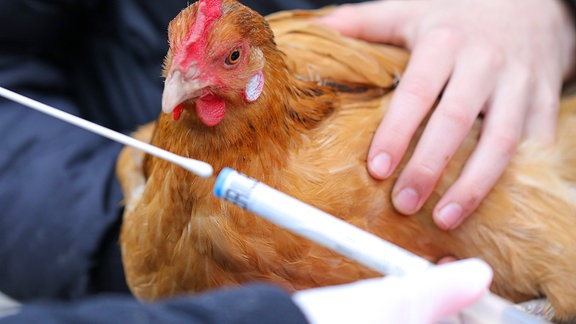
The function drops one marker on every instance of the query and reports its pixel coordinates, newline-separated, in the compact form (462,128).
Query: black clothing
(250,304)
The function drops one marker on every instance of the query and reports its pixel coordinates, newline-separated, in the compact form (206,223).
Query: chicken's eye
(233,57)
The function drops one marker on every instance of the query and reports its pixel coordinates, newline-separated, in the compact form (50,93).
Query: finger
(543,114)
(435,293)
(501,133)
(426,74)
(465,95)
(447,289)
(375,21)
(446,259)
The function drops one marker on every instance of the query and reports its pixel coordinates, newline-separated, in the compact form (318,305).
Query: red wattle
(177,112)
(210,109)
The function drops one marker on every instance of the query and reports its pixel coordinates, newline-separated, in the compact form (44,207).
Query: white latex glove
(423,297)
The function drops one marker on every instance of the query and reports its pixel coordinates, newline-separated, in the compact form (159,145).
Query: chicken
(294,104)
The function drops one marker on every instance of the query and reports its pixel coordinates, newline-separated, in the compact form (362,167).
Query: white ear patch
(254,87)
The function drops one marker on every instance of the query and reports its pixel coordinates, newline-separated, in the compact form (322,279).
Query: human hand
(505,60)
(423,297)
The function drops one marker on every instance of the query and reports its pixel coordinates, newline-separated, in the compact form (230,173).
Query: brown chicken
(297,111)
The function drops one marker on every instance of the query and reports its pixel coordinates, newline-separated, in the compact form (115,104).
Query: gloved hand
(423,297)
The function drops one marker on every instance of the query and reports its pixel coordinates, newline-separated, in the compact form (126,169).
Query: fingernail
(380,165)
(450,215)
(406,201)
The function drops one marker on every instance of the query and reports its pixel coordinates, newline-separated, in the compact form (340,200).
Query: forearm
(59,197)
(250,304)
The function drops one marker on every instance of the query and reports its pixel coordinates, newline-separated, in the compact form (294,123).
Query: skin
(505,60)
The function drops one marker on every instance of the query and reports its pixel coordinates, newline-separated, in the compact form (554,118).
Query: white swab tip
(201,169)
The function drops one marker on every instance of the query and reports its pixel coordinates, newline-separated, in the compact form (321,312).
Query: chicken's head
(215,59)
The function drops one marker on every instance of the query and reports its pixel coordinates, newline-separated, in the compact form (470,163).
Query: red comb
(208,11)
(210,8)
(195,42)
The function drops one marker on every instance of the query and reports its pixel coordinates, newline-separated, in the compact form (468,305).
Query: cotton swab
(200,168)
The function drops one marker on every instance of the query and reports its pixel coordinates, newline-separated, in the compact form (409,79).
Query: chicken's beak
(179,88)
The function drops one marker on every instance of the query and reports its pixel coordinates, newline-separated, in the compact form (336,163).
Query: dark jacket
(60,203)
(249,304)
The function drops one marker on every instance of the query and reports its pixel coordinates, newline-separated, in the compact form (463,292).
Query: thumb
(419,297)
(446,289)
(373,21)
